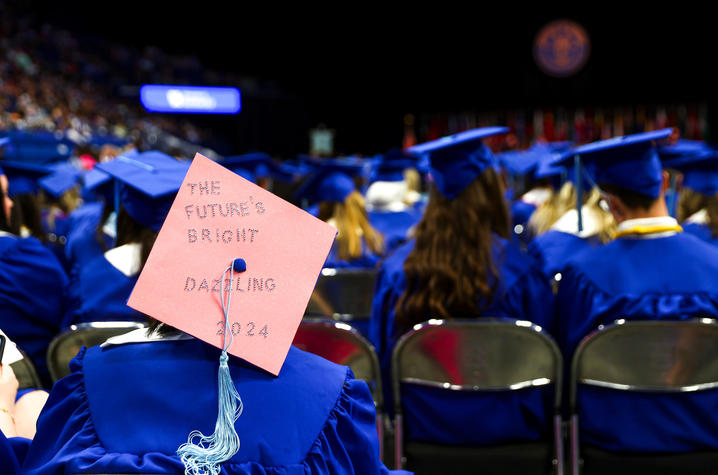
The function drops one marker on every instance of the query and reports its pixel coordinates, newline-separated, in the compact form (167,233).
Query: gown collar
(140,336)
(648,228)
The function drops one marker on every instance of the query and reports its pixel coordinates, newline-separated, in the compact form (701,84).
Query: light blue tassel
(202,457)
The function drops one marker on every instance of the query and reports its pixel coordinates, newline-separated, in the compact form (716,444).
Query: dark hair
(4,221)
(27,213)
(632,199)
(130,231)
(450,272)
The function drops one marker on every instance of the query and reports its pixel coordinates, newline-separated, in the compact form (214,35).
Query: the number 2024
(236,329)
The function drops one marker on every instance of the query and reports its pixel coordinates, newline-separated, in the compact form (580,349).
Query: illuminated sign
(190,99)
(561,48)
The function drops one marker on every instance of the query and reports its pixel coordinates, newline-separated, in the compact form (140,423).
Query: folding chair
(26,373)
(473,365)
(64,347)
(640,384)
(344,295)
(344,345)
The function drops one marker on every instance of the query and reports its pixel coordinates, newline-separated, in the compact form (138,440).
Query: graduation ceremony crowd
(571,237)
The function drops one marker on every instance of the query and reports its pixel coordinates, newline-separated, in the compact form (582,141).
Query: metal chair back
(657,356)
(342,344)
(486,355)
(343,294)
(65,346)
(26,373)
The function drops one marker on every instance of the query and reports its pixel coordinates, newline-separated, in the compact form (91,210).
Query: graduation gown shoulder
(701,231)
(33,294)
(674,277)
(99,292)
(553,249)
(127,408)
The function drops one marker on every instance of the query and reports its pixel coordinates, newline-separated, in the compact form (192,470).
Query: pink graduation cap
(234,266)
(218,217)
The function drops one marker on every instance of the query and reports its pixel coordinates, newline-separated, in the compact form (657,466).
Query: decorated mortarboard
(147,184)
(23,176)
(457,160)
(234,266)
(628,161)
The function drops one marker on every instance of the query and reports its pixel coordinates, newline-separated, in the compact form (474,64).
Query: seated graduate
(651,271)
(393,202)
(60,197)
(26,219)
(19,408)
(33,287)
(460,263)
(556,223)
(99,290)
(92,225)
(358,244)
(141,402)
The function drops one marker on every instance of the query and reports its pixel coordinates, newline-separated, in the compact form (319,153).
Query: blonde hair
(353,228)
(564,200)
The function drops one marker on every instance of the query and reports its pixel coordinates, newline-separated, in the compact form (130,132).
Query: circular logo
(561,48)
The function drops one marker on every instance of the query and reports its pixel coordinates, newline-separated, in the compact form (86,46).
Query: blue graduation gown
(82,245)
(701,231)
(661,278)
(395,225)
(520,214)
(553,249)
(8,458)
(366,259)
(523,293)
(33,289)
(98,292)
(127,408)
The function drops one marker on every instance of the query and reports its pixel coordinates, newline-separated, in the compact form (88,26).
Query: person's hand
(8,388)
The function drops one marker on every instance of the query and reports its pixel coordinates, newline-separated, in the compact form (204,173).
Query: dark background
(359,68)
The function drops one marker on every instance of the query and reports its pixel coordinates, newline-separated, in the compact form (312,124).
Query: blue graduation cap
(37,147)
(330,181)
(391,165)
(23,177)
(520,162)
(682,148)
(628,161)
(148,183)
(256,165)
(457,160)
(60,180)
(700,171)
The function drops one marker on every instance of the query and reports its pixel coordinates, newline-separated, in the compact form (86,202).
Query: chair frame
(619,325)
(73,330)
(329,272)
(530,328)
(368,348)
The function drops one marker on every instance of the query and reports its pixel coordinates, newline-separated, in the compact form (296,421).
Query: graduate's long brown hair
(450,271)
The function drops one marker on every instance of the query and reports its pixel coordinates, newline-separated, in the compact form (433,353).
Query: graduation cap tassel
(204,456)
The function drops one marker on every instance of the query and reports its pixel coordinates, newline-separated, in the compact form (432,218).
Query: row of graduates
(129,405)
(458,246)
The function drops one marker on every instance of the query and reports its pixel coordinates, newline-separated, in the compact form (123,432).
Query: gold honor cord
(641,230)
